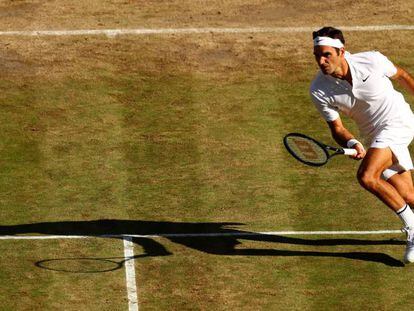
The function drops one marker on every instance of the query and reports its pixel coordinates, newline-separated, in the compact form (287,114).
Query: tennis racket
(310,151)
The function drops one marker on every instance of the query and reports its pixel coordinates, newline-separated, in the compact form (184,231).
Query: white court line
(189,235)
(130,274)
(241,234)
(153,31)
(42,237)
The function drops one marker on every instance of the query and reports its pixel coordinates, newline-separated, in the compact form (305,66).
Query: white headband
(336,43)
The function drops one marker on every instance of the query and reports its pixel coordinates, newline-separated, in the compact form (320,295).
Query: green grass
(28,287)
(285,274)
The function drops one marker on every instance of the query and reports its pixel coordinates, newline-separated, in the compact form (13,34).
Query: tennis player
(359,86)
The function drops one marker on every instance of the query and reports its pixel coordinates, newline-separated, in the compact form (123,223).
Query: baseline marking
(187,235)
(130,274)
(154,31)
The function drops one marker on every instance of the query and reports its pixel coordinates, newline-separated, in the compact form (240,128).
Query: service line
(130,274)
(225,233)
(203,30)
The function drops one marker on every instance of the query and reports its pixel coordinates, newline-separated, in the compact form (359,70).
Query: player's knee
(367,180)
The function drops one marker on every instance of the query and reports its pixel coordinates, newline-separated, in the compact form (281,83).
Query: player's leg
(398,191)
(369,176)
(403,183)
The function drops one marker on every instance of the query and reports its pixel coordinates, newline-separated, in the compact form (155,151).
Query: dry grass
(95,14)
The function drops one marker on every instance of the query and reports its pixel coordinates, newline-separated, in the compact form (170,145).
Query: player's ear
(341,52)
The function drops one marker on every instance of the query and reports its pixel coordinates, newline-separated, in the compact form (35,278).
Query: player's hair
(330,32)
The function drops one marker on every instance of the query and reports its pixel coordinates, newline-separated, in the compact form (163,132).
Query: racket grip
(350,151)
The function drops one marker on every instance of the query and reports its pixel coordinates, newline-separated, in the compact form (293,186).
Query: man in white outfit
(359,86)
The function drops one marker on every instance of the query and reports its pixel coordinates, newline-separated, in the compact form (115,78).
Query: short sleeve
(385,65)
(328,112)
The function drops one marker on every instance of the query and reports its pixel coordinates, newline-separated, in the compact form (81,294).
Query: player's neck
(343,72)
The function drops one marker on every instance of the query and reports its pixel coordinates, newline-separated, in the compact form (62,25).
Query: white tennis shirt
(371,101)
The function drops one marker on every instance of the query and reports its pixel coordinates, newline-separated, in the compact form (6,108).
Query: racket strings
(306,150)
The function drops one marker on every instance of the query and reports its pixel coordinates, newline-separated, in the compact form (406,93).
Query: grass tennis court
(144,135)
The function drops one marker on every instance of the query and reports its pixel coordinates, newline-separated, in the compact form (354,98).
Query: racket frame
(326,149)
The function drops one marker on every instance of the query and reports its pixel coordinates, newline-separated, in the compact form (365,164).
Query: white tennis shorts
(398,141)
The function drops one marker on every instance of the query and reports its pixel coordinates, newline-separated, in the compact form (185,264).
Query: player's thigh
(375,162)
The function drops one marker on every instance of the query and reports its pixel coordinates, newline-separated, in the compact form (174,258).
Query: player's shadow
(228,242)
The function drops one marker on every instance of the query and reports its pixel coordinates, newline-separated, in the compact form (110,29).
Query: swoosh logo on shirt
(363,80)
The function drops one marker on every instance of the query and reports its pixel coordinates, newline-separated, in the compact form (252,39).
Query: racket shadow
(84,264)
(229,245)
(101,264)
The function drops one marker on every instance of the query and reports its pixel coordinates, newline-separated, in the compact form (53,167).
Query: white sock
(406,215)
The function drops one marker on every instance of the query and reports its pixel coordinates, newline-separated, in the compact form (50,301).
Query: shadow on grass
(217,245)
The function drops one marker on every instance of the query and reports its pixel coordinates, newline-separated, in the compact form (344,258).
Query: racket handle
(350,151)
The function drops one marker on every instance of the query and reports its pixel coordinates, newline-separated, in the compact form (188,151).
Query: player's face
(328,59)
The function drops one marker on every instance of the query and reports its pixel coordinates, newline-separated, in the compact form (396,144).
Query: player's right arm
(331,115)
(341,135)
(405,79)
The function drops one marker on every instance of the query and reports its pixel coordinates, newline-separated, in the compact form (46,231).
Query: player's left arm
(405,79)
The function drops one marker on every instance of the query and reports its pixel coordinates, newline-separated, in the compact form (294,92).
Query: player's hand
(360,152)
